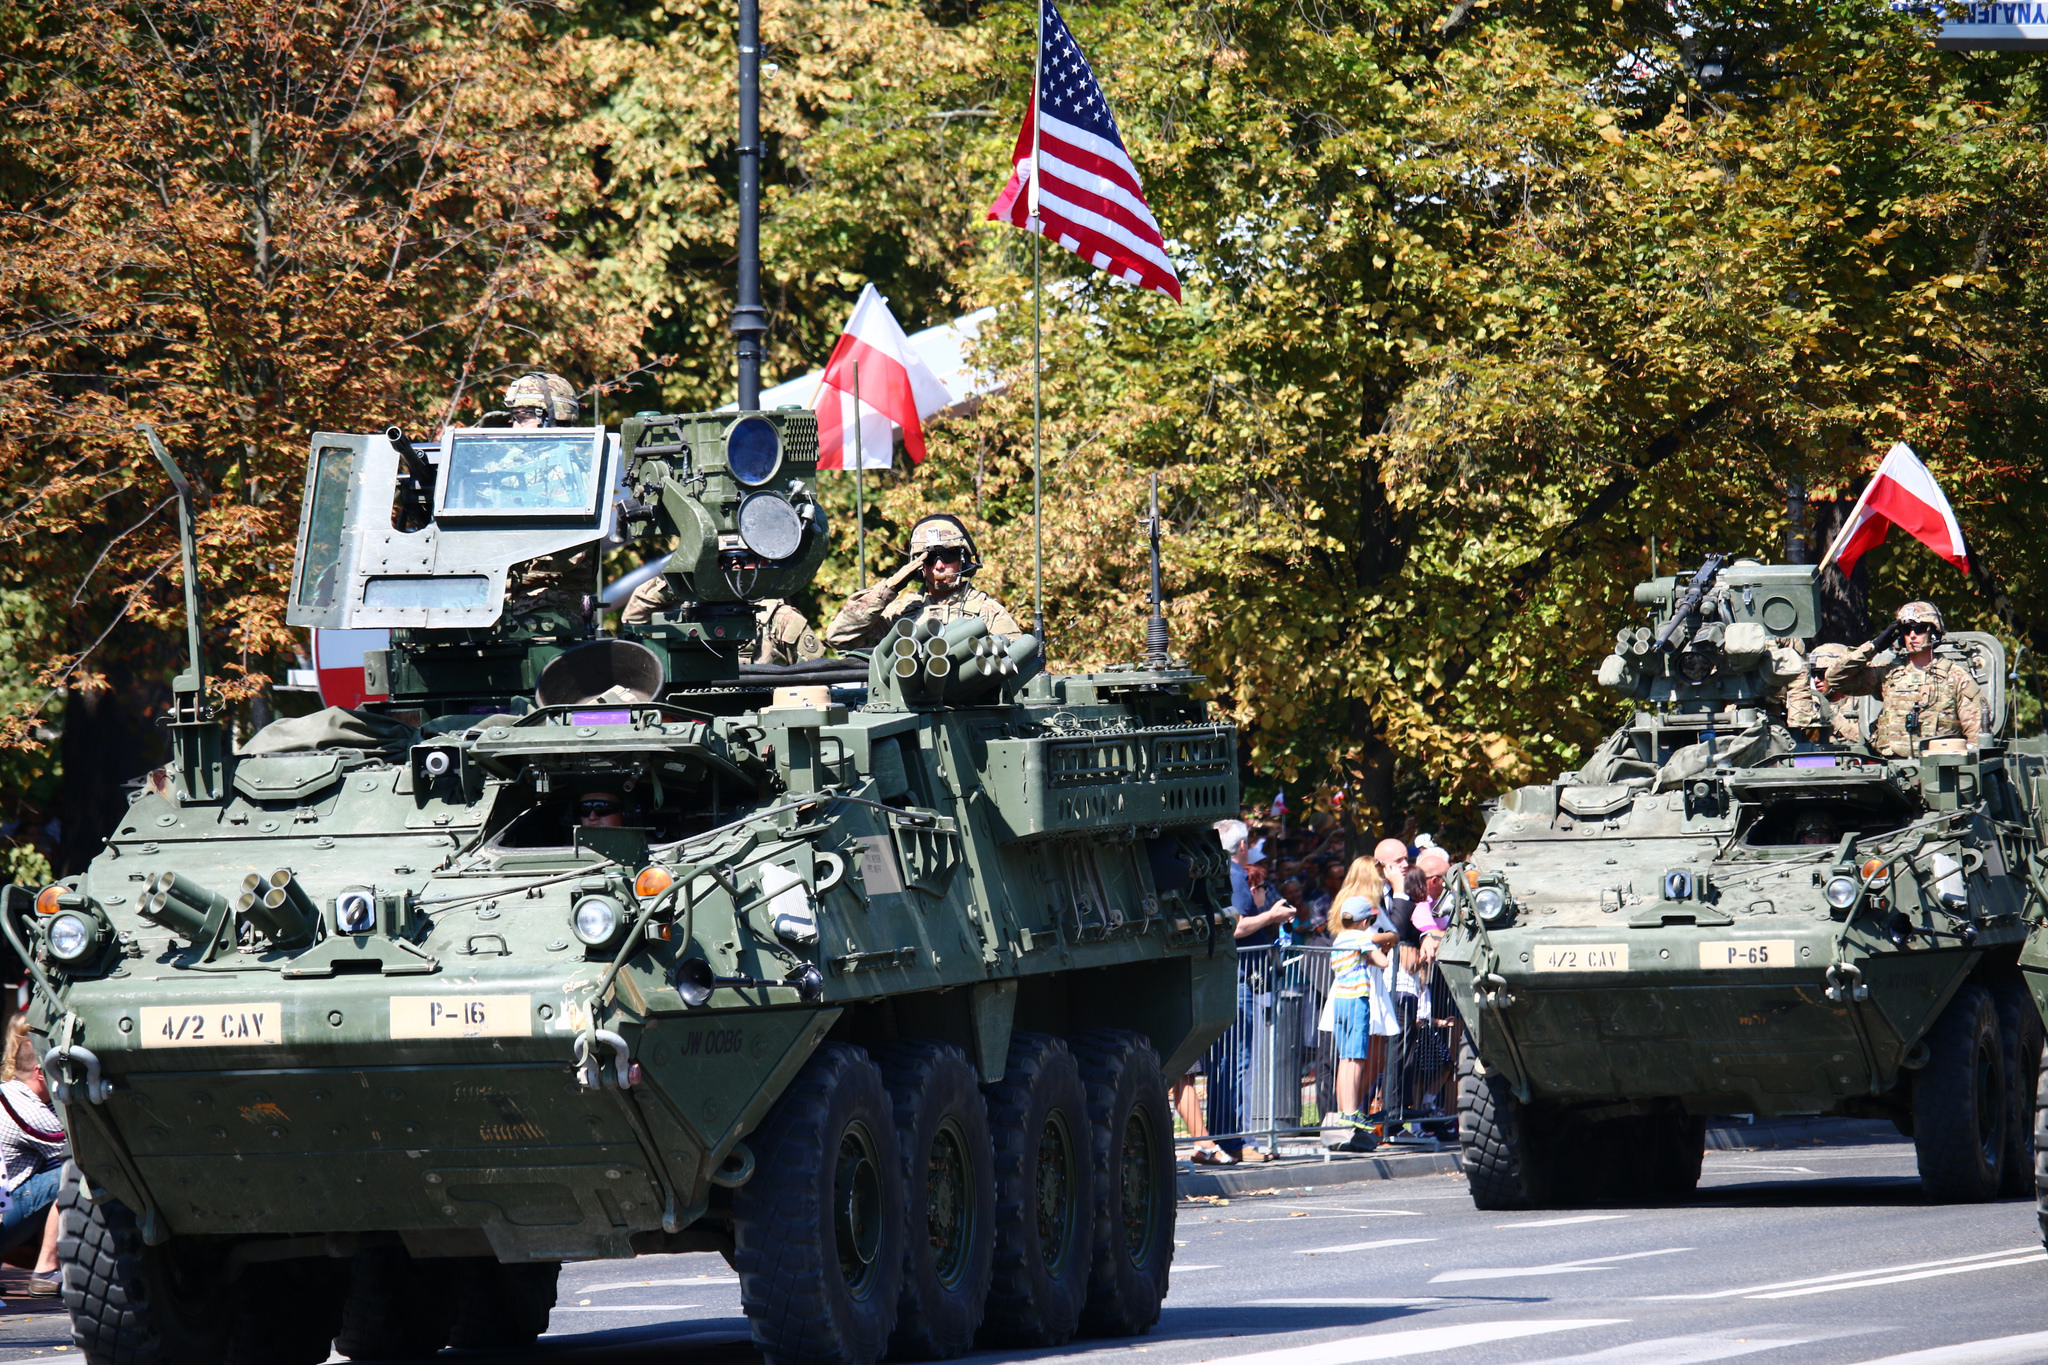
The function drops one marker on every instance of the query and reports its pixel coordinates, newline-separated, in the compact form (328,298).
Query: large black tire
(1045,1196)
(1507,1164)
(2041,1147)
(949,1198)
(818,1230)
(397,1308)
(501,1307)
(2019,1034)
(1960,1103)
(1134,1181)
(1676,1148)
(132,1304)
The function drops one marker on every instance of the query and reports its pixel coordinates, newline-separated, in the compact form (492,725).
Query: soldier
(786,637)
(943,554)
(1924,697)
(1812,703)
(539,399)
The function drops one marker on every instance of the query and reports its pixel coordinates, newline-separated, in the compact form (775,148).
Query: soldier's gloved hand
(1889,636)
(910,569)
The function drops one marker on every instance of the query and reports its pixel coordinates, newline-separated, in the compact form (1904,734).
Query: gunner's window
(497,473)
(334,469)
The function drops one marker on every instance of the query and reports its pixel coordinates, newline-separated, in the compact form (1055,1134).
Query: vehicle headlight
(1491,903)
(597,920)
(71,936)
(1842,892)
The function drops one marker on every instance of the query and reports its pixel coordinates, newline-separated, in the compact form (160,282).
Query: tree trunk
(109,740)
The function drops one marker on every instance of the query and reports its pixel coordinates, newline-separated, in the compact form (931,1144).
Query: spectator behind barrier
(32,1152)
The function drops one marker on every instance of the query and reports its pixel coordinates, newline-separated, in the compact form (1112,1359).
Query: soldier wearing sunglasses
(1925,698)
(942,554)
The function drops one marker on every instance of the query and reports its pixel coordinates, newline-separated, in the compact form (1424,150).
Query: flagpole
(860,494)
(1037,324)
(1848,524)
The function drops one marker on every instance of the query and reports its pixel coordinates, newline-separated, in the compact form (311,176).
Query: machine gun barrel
(1688,601)
(415,463)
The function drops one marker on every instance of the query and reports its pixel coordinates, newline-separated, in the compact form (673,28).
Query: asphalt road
(1811,1257)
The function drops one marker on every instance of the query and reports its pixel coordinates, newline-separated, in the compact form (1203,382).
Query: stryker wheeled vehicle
(1717,915)
(864,975)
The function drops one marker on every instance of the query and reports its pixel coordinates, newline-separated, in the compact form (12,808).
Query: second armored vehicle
(1714,915)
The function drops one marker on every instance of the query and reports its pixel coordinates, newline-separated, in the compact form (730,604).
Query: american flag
(1089,198)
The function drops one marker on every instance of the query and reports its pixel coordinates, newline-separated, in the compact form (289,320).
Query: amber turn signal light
(652,881)
(46,899)
(1874,872)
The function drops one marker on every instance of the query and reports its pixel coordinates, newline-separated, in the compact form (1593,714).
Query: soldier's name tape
(1721,954)
(258,1023)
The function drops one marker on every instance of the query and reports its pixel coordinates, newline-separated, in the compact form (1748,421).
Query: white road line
(1511,1272)
(1184,1269)
(623,1308)
(1761,1289)
(1691,1350)
(1566,1222)
(2019,1350)
(1348,1303)
(1415,1341)
(2029,1259)
(700,1282)
(1365,1246)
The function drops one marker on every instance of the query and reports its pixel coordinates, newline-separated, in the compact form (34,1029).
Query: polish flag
(338,665)
(1902,493)
(897,391)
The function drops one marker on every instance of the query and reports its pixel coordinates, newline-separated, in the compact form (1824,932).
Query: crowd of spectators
(1354,939)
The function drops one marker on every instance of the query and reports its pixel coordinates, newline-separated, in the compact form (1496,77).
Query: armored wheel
(2019,1034)
(1675,1145)
(502,1307)
(132,1304)
(1045,1196)
(397,1308)
(949,1198)
(818,1230)
(1960,1102)
(1132,1135)
(1507,1164)
(2041,1146)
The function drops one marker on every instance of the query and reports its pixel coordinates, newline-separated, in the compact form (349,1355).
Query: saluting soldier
(1924,697)
(786,636)
(1812,703)
(943,555)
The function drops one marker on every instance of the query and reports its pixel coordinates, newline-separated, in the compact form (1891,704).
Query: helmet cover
(1923,611)
(549,392)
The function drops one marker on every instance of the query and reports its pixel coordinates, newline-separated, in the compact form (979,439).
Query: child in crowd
(1353,911)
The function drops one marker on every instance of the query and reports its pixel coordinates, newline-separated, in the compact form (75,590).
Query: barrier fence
(1271,1079)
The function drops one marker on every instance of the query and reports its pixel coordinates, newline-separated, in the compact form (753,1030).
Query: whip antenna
(1155,626)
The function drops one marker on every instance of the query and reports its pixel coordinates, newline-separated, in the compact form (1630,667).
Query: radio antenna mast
(1155,626)
(749,319)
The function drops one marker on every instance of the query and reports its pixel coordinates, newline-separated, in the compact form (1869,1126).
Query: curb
(1309,1173)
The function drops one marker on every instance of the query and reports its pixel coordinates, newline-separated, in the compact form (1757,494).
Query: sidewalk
(1303,1166)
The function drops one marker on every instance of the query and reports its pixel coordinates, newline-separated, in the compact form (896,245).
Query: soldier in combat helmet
(1813,704)
(1924,697)
(786,637)
(942,553)
(539,399)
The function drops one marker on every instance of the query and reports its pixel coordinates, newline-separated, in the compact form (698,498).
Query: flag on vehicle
(897,391)
(1073,182)
(1901,493)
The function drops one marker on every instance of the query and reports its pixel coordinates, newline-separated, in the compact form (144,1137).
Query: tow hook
(590,1068)
(56,1065)
(1845,982)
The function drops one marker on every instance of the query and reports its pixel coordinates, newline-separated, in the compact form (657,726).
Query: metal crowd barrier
(1270,1080)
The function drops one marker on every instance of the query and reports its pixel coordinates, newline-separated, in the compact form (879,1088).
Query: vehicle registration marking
(461,1016)
(1583,957)
(243,1025)
(1747,952)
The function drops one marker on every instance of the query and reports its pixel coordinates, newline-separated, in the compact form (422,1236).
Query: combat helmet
(1923,611)
(939,531)
(552,394)
(1825,656)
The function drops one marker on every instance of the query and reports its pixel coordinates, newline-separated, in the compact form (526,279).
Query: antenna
(1155,626)
(195,739)
(193,679)
(749,319)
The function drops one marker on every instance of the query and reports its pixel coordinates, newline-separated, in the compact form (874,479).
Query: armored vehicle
(594,945)
(1718,915)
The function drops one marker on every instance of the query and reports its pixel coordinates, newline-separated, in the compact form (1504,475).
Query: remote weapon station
(1718,915)
(865,974)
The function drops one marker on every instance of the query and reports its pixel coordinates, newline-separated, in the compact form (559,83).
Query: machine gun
(1688,602)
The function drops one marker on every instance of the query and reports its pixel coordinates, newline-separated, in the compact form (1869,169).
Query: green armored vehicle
(1718,915)
(861,974)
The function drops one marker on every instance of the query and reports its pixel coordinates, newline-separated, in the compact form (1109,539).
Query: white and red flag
(1073,182)
(1901,493)
(897,391)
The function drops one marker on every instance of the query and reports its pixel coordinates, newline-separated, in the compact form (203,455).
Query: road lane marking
(1365,1246)
(1350,1303)
(703,1281)
(1415,1341)
(2029,1259)
(1761,1289)
(1510,1272)
(2019,1350)
(623,1307)
(1687,1350)
(1565,1222)
(1184,1269)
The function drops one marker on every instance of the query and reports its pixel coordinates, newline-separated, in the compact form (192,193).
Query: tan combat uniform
(1945,695)
(786,637)
(1806,709)
(868,614)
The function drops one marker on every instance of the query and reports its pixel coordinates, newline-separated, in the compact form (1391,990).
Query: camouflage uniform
(1943,694)
(786,637)
(1806,709)
(867,615)
(551,595)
